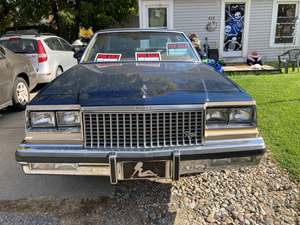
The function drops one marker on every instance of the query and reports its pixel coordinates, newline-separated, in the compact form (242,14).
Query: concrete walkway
(14,184)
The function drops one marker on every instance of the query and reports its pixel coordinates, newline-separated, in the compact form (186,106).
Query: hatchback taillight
(42,55)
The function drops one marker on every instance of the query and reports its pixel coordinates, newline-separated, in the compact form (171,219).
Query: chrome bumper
(74,160)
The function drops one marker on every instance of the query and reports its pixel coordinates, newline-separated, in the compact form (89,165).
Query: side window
(66,45)
(286,23)
(54,44)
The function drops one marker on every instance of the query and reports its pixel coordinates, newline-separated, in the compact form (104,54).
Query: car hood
(131,83)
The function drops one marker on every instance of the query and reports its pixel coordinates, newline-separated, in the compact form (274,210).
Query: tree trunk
(78,16)
(55,10)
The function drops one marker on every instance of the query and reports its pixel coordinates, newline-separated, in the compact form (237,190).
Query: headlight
(244,115)
(231,117)
(68,118)
(42,119)
(216,115)
(54,121)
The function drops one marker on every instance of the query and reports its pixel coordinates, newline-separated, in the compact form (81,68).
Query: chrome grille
(153,129)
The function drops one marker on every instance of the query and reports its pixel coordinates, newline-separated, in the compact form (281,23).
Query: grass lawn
(278,105)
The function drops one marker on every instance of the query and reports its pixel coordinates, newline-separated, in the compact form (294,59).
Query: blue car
(140,105)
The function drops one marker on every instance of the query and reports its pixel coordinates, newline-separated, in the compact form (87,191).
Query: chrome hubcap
(22,93)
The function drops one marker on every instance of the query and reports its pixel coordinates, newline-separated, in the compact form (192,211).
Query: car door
(5,78)
(56,54)
(69,53)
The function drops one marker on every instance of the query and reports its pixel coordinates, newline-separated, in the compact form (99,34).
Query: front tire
(21,95)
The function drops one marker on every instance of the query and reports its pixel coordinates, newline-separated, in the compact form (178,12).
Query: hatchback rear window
(20,45)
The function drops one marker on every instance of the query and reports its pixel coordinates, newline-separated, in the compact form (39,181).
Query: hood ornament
(189,134)
(144,91)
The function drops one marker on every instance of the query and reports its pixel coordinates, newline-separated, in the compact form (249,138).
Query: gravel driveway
(262,195)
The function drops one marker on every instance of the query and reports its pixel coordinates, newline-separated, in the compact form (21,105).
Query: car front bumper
(74,160)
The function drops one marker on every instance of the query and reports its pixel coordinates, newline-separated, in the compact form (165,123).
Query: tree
(7,10)
(101,14)
(64,17)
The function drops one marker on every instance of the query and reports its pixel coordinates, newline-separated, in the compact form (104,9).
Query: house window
(157,17)
(286,23)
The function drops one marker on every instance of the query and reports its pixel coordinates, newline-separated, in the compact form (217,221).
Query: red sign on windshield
(107,57)
(147,56)
(177,45)
(177,49)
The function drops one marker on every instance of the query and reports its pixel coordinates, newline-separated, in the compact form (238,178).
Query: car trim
(99,158)
(52,107)
(231,104)
(93,108)
(140,108)
(76,153)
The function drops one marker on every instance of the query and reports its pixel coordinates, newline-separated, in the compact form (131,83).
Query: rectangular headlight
(68,118)
(216,116)
(241,115)
(231,117)
(42,119)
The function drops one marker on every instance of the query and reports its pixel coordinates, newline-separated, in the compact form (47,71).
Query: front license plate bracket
(135,170)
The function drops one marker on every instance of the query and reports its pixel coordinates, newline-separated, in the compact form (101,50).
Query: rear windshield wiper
(21,52)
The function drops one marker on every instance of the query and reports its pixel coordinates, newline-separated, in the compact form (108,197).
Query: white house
(234,27)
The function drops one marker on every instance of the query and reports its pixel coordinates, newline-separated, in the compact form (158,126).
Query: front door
(156,14)
(234,29)
(5,80)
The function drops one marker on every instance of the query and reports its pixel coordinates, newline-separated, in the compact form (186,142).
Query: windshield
(140,46)
(20,45)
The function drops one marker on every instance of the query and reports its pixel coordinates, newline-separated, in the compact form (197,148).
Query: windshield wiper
(20,52)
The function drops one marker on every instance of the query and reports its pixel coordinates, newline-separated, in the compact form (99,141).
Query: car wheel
(21,95)
(59,71)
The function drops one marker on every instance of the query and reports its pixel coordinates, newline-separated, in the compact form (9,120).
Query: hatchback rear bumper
(45,77)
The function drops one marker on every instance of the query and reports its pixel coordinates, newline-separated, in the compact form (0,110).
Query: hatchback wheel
(21,94)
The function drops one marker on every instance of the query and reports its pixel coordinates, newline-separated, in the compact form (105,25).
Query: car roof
(27,36)
(115,30)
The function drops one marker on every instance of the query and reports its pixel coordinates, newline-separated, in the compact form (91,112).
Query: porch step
(244,69)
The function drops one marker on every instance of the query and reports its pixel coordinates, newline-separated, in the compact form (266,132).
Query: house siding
(260,30)
(192,16)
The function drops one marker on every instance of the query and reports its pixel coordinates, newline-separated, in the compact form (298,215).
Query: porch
(245,69)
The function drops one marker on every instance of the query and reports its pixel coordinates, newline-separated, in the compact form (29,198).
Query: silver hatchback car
(50,55)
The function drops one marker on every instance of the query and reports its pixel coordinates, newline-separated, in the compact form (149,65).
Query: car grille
(143,129)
